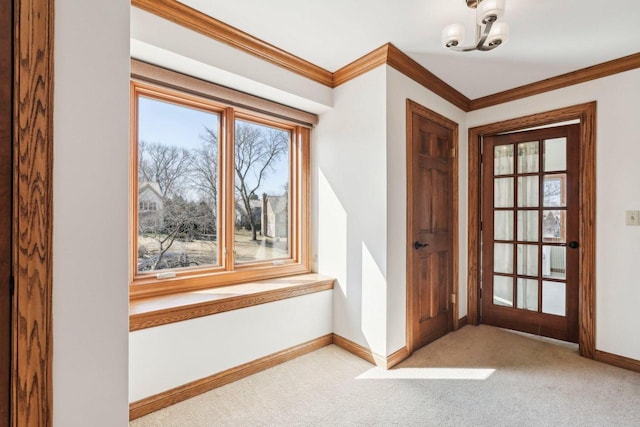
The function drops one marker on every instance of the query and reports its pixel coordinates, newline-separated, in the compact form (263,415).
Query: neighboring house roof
(153,186)
(278,203)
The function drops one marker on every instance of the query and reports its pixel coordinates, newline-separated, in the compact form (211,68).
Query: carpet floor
(476,376)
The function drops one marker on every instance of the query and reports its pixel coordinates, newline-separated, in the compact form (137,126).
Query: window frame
(227,271)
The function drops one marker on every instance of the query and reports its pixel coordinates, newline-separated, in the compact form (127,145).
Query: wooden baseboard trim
(371,357)
(463,322)
(397,357)
(162,400)
(616,360)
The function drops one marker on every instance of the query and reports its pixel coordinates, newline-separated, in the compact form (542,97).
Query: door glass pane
(555,154)
(528,192)
(177,186)
(503,192)
(503,291)
(528,260)
(554,226)
(528,226)
(528,294)
(554,262)
(528,157)
(503,159)
(555,190)
(554,298)
(503,258)
(262,192)
(503,225)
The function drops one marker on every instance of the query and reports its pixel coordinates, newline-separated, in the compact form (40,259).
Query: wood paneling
(616,360)
(192,19)
(6,173)
(580,76)
(586,113)
(161,310)
(33,152)
(162,400)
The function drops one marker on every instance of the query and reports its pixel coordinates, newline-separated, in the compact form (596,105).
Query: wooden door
(530,232)
(431,229)
(6,84)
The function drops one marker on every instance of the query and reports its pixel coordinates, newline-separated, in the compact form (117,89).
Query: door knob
(573,244)
(419,245)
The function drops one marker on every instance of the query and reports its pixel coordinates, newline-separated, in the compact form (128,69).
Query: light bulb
(499,34)
(452,35)
(487,8)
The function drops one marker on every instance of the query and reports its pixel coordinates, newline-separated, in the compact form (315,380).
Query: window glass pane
(528,260)
(554,298)
(503,291)
(554,190)
(555,154)
(503,225)
(261,192)
(554,226)
(528,192)
(528,157)
(528,226)
(177,186)
(503,192)
(503,159)
(554,262)
(528,294)
(503,258)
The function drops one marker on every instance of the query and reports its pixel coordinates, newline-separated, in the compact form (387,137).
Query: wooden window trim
(227,273)
(164,309)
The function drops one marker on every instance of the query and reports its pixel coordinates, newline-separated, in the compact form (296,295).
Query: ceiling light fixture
(489,33)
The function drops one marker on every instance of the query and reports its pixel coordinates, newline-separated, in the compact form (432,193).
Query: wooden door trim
(414,107)
(32,212)
(586,113)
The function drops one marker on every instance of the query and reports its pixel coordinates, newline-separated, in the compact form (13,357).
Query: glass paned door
(529,232)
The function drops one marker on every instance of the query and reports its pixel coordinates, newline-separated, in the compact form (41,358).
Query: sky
(172,124)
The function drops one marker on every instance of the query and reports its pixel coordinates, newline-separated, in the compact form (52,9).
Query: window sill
(161,310)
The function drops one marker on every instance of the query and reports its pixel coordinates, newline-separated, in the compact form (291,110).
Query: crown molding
(388,54)
(594,72)
(206,25)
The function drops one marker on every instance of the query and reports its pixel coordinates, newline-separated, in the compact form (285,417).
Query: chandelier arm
(483,38)
(487,28)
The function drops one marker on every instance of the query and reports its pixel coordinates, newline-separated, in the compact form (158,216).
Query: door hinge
(481,158)
(480,293)
(12,285)
(453,298)
(480,225)
(453,152)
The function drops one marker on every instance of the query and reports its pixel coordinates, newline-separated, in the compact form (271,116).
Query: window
(220,193)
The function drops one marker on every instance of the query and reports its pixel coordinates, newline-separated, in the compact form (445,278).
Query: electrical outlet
(633,217)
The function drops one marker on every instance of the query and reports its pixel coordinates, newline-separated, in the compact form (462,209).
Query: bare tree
(168,165)
(204,168)
(257,148)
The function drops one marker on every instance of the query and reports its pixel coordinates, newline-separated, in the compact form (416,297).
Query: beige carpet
(477,376)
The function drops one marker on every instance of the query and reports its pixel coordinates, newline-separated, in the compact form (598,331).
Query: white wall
(349,210)
(164,43)
(399,88)
(90,293)
(617,190)
(168,356)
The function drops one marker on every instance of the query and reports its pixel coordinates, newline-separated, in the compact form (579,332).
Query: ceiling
(548,37)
